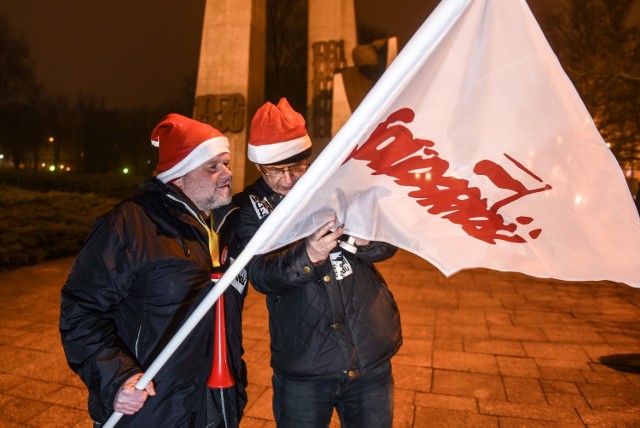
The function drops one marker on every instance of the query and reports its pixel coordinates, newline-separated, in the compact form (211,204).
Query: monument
(230,85)
(231,82)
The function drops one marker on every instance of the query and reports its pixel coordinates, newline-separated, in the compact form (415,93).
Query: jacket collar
(173,195)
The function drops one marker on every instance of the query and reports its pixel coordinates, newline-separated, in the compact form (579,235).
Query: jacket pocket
(273,306)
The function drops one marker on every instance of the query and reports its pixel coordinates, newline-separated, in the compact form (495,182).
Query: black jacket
(321,327)
(143,269)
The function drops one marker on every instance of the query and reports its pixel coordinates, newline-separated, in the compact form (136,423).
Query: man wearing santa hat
(334,324)
(143,269)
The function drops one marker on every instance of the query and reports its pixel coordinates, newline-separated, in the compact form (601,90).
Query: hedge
(39,224)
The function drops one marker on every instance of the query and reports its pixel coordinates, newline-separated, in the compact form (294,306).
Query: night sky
(129,52)
(134,53)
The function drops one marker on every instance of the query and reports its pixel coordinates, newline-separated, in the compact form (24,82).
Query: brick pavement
(481,348)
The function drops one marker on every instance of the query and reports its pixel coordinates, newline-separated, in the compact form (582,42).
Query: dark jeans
(365,401)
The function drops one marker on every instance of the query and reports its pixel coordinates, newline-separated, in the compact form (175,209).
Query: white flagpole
(392,81)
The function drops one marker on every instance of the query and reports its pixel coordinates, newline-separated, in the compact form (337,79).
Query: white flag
(474,150)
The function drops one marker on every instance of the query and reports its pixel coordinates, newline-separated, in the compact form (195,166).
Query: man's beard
(217,201)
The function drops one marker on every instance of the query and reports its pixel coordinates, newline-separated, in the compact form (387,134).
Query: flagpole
(392,81)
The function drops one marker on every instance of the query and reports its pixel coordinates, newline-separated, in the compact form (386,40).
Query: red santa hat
(184,145)
(278,135)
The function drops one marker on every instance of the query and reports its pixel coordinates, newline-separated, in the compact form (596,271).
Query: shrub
(44,225)
(111,185)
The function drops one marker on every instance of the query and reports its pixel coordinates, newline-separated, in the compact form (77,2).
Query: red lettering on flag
(392,150)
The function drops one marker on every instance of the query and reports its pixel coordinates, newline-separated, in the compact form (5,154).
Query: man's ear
(257,167)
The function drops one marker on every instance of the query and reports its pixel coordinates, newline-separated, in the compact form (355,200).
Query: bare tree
(598,44)
(286,61)
(20,125)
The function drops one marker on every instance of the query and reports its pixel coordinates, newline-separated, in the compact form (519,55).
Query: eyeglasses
(296,169)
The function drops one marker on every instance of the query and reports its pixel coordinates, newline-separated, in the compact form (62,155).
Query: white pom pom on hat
(185,144)
(278,135)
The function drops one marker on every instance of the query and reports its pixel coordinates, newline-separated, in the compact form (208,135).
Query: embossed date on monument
(225,112)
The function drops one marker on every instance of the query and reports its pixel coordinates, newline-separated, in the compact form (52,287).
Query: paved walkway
(481,348)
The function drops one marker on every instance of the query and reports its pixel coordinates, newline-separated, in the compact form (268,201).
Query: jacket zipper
(138,340)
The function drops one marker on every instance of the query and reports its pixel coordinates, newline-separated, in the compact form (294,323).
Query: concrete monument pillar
(230,85)
(332,37)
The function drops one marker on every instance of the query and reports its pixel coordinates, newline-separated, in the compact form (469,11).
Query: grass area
(38,225)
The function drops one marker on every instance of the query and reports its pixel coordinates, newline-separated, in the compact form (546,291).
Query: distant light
(52,168)
(609,145)
(61,166)
(125,170)
(43,164)
(51,139)
(68,169)
(1,156)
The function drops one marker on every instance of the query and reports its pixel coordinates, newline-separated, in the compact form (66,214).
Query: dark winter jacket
(321,326)
(143,269)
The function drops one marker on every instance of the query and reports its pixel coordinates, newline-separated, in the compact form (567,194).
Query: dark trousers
(365,401)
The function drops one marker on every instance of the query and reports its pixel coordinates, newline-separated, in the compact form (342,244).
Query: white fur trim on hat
(275,152)
(202,153)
